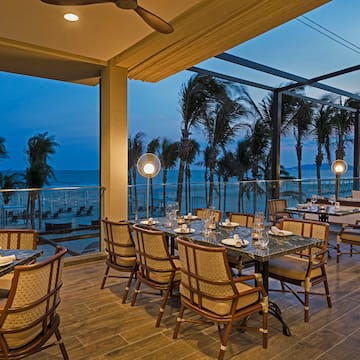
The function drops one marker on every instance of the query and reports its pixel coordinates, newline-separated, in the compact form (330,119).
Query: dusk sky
(70,112)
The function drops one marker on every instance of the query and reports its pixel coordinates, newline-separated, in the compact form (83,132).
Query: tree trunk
(179,190)
(318,161)
(299,161)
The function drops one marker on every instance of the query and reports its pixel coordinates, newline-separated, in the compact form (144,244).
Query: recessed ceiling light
(71,17)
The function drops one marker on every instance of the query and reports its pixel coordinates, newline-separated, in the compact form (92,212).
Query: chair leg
(162,307)
(127,288)
(136,291)
(282,286)
(306,306)
(224,341)
(327,292)
(179,321)
(338,253)
(61,345)
(264,329)
(105,277)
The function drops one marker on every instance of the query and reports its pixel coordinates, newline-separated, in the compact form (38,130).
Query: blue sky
(69,112)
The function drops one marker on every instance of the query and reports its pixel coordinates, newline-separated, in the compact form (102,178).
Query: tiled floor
(96,325)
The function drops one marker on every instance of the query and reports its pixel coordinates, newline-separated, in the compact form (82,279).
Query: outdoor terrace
(96,325)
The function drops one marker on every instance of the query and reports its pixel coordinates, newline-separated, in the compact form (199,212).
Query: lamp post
(148,165)
(338,167)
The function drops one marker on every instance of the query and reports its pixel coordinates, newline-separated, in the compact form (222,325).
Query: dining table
(20,257)
(323,211)
(223,235)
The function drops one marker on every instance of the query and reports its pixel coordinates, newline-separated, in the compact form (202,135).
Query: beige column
(114,142)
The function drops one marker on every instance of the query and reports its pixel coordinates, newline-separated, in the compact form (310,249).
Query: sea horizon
(68,178)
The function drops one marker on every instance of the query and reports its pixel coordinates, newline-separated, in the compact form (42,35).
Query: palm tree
(168,156)
(300,121)
(241,167)
(135,145)
(343,122)
(225,170)
(258,148)
(39,172)
(9,181)
(221,124)
(301,118)
(3,151)
(194,100)
(322,130)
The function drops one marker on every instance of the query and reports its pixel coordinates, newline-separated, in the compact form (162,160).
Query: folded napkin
(7,259)
(276,231)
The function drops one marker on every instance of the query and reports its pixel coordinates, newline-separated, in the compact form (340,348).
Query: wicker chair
(237,261)
(157,268)
(208,289)
(120,249)
(245,220)
(350,235)
(203,213)
(28,317)
(306,268)
(276,209)
(24,239)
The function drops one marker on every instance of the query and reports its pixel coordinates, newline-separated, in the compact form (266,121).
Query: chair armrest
(243,278)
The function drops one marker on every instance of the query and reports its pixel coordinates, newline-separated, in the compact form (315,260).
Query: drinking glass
(259,217)
(264,240)
(332,200)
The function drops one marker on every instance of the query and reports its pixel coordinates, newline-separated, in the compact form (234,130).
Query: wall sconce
(338,167)
(148,166)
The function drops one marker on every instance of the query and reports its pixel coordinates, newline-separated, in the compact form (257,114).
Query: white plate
(281,233)
(232,242)
(146,222)
(192,217)
(7,263)
(184,231)
(303,206)
(229,224)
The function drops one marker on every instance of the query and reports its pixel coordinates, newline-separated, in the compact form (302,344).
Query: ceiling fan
(151,19)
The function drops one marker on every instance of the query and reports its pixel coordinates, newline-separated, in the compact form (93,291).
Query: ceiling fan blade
(75,2)
(154,21)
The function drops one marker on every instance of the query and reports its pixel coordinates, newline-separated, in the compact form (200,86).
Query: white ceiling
(36,40)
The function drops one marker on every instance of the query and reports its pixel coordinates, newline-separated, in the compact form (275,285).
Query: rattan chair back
(350,235)
(245,220)
(24,239)
(157,268)
(276,208)
(305,268)
(203,213)
(208,288)
(120,249)
(29,316)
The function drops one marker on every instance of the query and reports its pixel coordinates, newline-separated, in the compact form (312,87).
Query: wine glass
(264,240)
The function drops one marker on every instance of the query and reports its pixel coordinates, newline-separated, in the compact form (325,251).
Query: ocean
(68,178)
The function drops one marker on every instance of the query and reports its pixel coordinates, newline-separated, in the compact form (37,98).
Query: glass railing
(244,196)
(71,216)
(63,216)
